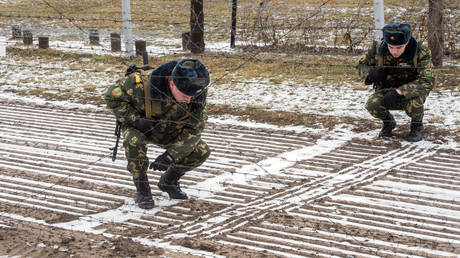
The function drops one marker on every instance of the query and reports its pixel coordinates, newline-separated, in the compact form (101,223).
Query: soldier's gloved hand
(131,69)
(377,74)
(144,125)
(162,162)
(391,98)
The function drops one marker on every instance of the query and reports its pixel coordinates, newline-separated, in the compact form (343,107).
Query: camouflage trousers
(413,107)
(135,144)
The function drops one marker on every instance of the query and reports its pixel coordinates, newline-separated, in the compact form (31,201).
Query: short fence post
(16,31)
(186,41)
(115,42)
(27,37)
(43,42)
(93,37)
(140,46)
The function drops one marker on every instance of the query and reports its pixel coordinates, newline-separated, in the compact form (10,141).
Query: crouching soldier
(401,70)
(166,109)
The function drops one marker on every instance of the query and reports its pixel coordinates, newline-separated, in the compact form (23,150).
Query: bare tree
(197,27)
(435,31)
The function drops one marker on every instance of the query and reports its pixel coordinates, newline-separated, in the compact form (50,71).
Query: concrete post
(379,19)
(127,28)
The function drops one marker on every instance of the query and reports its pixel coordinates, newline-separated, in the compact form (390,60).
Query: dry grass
(229,68)
(448,78)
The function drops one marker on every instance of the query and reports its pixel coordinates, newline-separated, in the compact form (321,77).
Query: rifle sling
(151,107)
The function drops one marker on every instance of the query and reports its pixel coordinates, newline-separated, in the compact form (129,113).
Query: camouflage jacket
(411,72)
(178,125)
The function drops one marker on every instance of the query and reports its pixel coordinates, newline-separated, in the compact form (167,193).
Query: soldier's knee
(367,106)
(134,142)
(374,103)
(417,103)
(206,152)
(371,105)
(414,104)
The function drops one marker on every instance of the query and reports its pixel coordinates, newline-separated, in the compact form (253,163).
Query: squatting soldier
(401,70)
(167,109)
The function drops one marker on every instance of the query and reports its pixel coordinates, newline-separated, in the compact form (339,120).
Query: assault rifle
(382,90)
(117,134)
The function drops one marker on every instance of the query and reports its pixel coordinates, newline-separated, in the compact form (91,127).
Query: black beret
(190,76)
(396,33)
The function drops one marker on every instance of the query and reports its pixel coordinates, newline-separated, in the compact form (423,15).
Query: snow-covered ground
(442,107)
(267,175)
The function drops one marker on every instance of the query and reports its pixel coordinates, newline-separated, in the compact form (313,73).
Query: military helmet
(396,33)
(190,76)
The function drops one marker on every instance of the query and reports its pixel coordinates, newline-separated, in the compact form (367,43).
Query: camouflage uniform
(178,126)
(414,82)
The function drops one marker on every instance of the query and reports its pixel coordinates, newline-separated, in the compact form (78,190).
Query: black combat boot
(416,132)
(144,195)
(389,124)
(169,182)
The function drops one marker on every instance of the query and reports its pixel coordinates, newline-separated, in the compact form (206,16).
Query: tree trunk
(196,27)
(435,32)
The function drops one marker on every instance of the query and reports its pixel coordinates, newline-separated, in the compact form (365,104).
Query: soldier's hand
(144,125)
(131,69)
(162,162)
(391,98)
(377,74)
